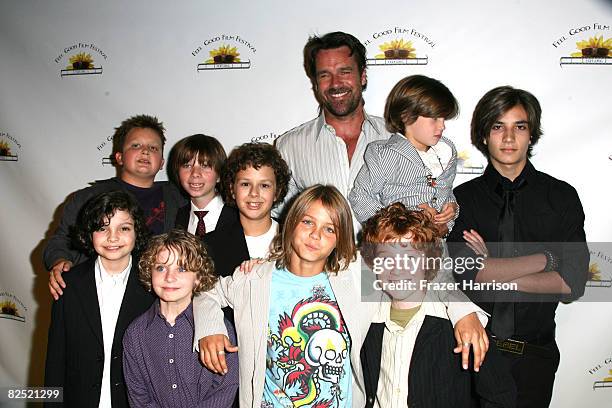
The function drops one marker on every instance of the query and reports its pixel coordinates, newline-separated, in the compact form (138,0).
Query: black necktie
(502,323)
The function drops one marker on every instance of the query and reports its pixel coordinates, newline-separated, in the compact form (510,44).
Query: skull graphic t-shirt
(308,358)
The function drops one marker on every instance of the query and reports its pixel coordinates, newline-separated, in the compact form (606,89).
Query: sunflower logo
(606,382)
(465,165)
(595,47)
(81,60)
(396,49)
(463,157)
(224,55)
(5,150)
(594,272)
(9,308)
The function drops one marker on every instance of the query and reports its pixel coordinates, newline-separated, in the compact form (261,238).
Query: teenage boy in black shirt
(532,226)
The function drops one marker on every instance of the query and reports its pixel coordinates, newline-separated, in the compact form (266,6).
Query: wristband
(552,261)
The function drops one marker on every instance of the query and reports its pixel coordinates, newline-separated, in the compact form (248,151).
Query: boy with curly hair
(407,355)
(101,298)
(159,365)
(255,179)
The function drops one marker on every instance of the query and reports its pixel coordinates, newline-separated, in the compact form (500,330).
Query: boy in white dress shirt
(101,298)
(195,165)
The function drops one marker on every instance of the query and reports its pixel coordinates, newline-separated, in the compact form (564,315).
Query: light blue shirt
(308,352)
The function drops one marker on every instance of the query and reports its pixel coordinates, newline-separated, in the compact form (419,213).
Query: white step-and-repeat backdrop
(70,71)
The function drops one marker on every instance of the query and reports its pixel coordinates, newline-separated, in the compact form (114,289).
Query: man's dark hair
(98,211)
(134,122)
(330,41)
(255,155)
(494,104)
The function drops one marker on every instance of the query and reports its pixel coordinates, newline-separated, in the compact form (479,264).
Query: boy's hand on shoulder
(56,282)
(212,352)
(247,266)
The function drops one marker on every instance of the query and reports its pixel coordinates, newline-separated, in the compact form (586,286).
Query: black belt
(519,348)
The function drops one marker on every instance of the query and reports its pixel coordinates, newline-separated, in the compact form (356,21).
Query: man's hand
(56,283)
(469,332)
(448,213)
(212,352)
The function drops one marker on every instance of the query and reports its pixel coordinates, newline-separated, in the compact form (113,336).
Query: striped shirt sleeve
(365,195)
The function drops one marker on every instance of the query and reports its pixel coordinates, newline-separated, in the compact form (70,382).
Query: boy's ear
(119,158)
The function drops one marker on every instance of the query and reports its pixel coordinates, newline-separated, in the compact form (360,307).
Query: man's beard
(340,108)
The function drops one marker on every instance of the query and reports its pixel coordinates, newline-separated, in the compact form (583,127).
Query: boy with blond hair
(160,367)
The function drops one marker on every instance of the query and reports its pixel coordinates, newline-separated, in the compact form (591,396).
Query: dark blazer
(182,217)
(436,379)
(75,351)
(226,244)
(227,217)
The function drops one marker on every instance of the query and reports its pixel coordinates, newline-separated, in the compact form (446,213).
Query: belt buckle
(511,346)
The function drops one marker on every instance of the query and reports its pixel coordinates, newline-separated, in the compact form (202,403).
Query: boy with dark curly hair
(160,367)
(101,298)
(255,180)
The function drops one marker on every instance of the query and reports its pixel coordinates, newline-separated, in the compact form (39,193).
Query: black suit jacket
(182,217)
(436,379)
(226,244)
(225,218)
(75,351)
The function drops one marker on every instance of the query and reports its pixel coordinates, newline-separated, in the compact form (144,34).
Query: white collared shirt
(315,155)
(436,158)
(259,247)
(396,354)
(110,289)
(214,208)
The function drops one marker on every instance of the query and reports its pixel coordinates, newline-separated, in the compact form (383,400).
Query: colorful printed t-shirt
(308,360)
